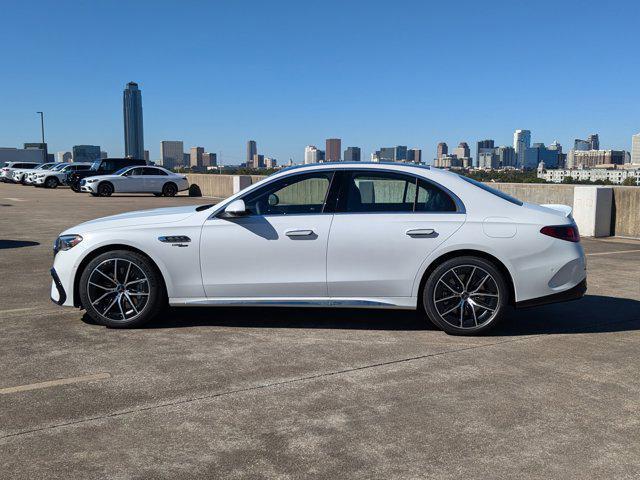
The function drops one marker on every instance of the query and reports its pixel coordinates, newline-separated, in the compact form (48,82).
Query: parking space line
(55,383)
(14,199)
(611,253)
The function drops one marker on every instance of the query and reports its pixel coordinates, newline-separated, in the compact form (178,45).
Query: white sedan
(333,235)
(156,180)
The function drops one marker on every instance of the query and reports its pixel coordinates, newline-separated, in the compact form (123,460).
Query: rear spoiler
(564,209)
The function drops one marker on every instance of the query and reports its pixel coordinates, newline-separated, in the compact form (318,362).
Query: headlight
(91,180)
(65,242)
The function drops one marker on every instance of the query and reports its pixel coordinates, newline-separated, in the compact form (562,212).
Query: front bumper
(574,293)
(58,295)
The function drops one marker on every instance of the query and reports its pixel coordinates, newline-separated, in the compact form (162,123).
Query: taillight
(563,232)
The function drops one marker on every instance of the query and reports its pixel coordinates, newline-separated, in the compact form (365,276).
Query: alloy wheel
(118,289)
(466,297)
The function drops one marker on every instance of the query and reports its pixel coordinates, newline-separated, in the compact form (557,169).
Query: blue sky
(292,73)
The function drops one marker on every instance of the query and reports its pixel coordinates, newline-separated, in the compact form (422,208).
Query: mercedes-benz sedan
(330,235)
(156,180)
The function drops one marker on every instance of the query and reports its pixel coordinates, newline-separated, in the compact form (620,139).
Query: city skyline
(284,111)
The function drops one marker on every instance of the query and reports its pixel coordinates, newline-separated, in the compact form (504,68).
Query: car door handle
(420,232)
(298,233)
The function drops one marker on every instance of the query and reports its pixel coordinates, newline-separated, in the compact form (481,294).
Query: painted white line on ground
(55,383)
(14,199)
(611,253)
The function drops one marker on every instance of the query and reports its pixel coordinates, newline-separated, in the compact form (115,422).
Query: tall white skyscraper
(171,153)
(310,154)
(635,149)
(521,141)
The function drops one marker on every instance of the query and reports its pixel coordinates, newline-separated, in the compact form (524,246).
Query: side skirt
(407,303)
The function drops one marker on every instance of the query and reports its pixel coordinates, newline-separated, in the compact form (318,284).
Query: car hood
(137,218)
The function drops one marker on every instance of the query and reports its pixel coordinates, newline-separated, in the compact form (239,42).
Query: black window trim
(331,195)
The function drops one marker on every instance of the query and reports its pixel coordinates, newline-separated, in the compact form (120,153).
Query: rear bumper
(573,293)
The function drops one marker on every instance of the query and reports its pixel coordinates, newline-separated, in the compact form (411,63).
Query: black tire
(105,189)
(169,189)
(156,194)
(149,304)
(51,182)
(93,194)
(75,186)
(458,288)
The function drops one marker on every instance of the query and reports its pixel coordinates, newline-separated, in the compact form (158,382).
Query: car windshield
(494,191)
(95,165)
(59,167)
(121,171)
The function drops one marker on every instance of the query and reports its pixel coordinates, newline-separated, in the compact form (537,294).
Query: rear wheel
(51,182)
(121,289)
(105,189)
(170,189)
(465,296)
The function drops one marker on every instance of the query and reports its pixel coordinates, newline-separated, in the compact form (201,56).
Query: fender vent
(175,239)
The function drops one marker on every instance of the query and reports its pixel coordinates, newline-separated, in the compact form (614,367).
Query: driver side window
(297,194)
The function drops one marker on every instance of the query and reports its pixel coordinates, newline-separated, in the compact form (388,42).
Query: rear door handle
(420,232)
(298,233)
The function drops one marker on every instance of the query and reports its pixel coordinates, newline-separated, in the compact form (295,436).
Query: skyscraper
(581,145)
(414,155)
(252,149)
(196,157)
(506,156)
(310,154)
(171,153)
(86,153)
(63,157)
(333,150)
(635,149)
(443,150)
(463,150)
(594,141)
(352,154)
(132,107)
(521,141)
(483,146)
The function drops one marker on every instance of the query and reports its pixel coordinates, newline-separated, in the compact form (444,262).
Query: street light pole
(44,151)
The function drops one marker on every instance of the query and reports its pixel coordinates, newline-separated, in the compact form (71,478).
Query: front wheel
(51,182)
(465,296)
(75,186)
(105,189)
(121,289)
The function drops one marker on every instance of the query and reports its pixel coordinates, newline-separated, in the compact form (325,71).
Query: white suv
(6,172)
(19,175)
(53,178)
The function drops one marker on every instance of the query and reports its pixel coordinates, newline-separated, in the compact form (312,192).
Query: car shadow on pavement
(4,244)
(591,314)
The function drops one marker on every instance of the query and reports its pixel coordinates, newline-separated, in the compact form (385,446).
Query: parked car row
(101,178)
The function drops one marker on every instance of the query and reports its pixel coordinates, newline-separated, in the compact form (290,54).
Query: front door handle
(420,232)
(298,233)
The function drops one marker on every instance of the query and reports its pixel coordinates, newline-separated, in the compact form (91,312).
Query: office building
(146,155)
(613,174)
(442,150)
(209,159)
(352,154)
(86,153)
(483,146)
(538,153)
(506,156)
(594,141)
(333,149)
(391,154)
(103,154)
(252,149)
(414,155)
(462,150)
(270,162)
(171,154)
(41,148)
(582,145)
(196,157)
(63,157)
(635,149)
(521,141)
(487,159)
(594,158)
(10,154)
(310,154)
(449,161)
(258,161)
(186,159)
(132,108)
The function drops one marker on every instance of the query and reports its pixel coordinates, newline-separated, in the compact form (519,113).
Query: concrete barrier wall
(625,215)
(626,212)
(538,192)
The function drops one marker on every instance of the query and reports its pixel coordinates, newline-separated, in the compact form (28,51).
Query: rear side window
(387,192)
(153,171)
(494,191)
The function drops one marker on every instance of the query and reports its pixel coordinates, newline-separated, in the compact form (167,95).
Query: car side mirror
(236,208)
